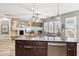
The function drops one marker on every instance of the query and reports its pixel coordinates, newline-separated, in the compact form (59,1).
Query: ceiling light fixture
(35,15)
(58,16)
(33,9)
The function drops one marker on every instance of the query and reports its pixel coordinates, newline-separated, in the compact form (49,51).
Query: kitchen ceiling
(24,10)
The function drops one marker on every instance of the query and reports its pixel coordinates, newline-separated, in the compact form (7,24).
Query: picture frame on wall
(4,27)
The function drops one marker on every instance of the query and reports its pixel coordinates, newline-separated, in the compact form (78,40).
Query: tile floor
(7,47)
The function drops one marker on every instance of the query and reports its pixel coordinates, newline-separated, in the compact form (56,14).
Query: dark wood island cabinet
(71,48)
(40,48)
(31,48)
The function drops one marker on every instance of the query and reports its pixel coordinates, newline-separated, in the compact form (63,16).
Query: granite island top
(42,38)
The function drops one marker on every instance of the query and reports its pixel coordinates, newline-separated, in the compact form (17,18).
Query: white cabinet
(21,26)
(46,27)
(57,26)
(51,27)
(15,25)
(18,25)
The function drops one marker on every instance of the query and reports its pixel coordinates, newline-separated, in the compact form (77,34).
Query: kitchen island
(38,46)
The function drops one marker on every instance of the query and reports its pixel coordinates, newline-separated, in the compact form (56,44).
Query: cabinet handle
(69,49)
(20,46)
(27,46)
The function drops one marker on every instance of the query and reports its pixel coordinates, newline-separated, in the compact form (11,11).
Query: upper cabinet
(46,27)
(14,25)
(57,26)
(51,27)
(17,25)
(22,25)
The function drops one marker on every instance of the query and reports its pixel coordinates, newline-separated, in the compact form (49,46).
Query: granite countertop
(40,38)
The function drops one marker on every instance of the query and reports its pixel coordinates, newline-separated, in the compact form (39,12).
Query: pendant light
(33,9)
(35,15)
(58,16)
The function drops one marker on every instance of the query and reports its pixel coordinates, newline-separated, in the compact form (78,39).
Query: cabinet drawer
(35,43)
(40,46)
(19,42)
(39,43)
(28,43)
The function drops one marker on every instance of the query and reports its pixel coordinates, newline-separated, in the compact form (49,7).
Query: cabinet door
(71,49)
(18,48)
(51,27)
(46,27)
(40,49)
(57,26)
(27,49)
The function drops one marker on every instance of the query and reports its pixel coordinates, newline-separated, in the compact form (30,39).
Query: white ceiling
(24,10)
